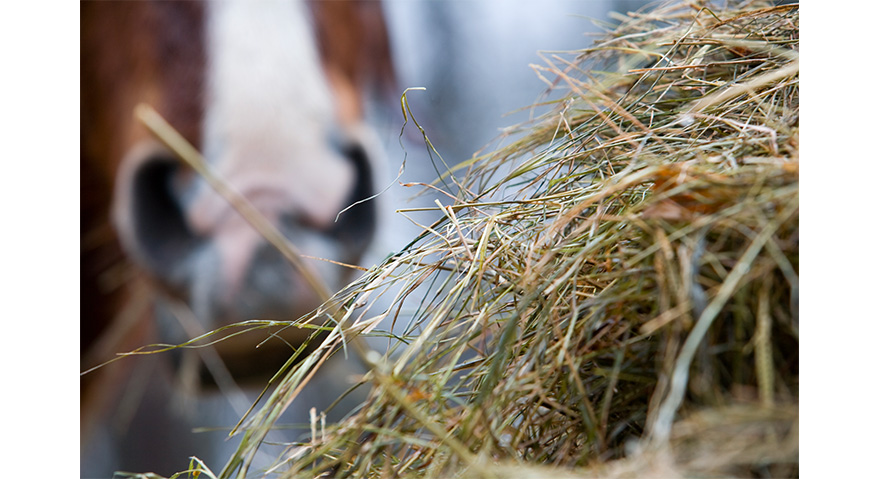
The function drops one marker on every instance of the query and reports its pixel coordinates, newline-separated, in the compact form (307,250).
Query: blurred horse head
(272,93)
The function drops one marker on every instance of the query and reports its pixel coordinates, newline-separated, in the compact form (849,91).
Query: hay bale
(614,294)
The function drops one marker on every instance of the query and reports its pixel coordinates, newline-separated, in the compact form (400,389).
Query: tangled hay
(613,294)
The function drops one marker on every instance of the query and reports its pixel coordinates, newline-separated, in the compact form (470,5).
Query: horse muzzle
(217,268)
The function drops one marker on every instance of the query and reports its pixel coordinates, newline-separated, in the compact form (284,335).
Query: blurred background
(473,58)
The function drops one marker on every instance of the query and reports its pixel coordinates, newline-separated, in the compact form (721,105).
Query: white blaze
(268,116)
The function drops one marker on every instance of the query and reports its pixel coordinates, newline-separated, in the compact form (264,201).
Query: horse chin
(253,315)
(243,350)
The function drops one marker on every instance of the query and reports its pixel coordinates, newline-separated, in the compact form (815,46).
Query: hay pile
(614,294)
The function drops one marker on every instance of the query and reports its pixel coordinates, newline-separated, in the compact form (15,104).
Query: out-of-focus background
(473,59)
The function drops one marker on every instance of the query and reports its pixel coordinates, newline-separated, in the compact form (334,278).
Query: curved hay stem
(738,89)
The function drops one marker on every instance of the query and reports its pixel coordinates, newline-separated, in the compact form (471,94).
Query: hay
(613,294)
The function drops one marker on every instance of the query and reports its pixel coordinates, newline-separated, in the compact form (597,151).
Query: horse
(273,94)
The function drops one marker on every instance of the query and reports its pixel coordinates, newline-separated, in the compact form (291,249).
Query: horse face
(274,115)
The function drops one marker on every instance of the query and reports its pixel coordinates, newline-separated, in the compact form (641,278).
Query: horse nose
(318,206)
(203,250)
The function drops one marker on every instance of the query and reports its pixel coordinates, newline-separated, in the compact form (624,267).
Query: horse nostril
(356,225)
(149,216)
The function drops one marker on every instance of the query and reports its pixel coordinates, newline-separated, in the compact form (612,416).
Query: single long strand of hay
(188,153)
